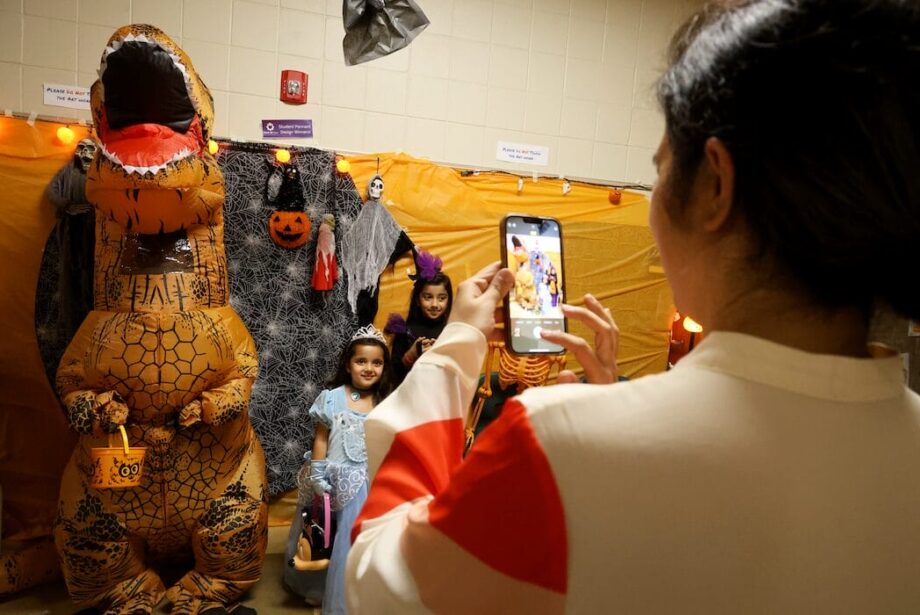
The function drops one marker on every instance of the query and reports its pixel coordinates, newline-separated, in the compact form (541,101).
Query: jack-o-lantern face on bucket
(289,229)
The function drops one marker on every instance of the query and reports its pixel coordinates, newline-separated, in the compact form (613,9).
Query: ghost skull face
(375,188)
(83,154)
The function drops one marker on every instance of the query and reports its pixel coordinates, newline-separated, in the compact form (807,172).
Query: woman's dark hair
(415,310)
(818,103)
(384,385)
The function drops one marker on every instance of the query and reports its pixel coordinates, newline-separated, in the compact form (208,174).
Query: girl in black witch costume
(429,308)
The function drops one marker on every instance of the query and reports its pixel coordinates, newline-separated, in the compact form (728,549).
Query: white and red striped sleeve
(484,535)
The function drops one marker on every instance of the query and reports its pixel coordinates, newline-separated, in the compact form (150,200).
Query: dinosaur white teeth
(113,157)
(144,170)
(180,155)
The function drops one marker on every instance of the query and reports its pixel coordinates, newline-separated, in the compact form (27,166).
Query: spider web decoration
(299,332)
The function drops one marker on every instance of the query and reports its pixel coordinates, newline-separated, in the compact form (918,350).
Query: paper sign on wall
(287,129)
(70,96)
(523,153)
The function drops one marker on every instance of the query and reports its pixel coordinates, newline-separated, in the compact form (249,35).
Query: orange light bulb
(692,326)
(343,166)
(213,146)
(283,156)
(65,135)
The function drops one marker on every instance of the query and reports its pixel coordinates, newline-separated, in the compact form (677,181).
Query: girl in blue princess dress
(337,464)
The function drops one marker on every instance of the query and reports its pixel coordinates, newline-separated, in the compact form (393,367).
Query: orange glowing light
(692,326)
(65,135)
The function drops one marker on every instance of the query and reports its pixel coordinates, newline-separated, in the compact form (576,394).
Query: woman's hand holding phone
(599,361)
(479,297)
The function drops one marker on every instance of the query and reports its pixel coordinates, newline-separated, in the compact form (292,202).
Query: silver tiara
(369,332)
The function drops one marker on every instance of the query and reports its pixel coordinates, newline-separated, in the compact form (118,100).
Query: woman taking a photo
(777,467)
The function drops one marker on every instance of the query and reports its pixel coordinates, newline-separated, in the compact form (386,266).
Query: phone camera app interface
(535,257)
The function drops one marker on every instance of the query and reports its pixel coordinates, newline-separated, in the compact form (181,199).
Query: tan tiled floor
(269,597)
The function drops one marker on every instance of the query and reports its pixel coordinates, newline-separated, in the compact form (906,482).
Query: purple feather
(395,324)
(427,265)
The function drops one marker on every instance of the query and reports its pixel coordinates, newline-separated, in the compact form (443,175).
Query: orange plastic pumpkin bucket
(117,466)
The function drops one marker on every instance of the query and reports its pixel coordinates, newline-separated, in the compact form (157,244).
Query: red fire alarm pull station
(294,87)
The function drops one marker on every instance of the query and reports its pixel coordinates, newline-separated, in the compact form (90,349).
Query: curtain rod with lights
(79,121)
(465,171)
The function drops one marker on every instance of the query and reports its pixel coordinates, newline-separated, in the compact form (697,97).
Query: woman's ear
(716,183)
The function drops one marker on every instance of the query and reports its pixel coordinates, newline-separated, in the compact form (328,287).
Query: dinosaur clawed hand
(112,411)
(92,412)
(191,414)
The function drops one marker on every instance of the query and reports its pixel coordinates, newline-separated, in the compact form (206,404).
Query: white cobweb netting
(299,332)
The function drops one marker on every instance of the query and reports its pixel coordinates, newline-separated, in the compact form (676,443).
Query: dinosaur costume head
(153,116)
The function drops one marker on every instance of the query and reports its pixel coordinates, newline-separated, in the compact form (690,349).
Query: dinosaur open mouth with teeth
(153,115)
(148,120)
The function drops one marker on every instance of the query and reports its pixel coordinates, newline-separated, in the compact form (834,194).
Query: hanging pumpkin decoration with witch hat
(288,225)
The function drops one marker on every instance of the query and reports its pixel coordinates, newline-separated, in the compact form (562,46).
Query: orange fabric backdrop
(609,249)
(35,442)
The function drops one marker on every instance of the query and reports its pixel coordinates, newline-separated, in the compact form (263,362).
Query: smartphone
(532,248)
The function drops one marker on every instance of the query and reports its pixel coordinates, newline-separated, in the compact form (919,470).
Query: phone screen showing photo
(534,255)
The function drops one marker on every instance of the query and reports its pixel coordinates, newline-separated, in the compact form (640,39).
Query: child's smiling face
(433,300)
(365,366)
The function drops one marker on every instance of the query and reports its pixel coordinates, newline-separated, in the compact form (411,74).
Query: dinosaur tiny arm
(218,405)
(89,410)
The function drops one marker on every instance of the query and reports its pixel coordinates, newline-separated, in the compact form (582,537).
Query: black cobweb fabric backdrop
(299,332)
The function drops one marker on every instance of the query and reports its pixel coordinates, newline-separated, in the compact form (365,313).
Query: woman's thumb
(501,283)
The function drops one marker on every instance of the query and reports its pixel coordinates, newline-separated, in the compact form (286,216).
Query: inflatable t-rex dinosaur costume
(163,352)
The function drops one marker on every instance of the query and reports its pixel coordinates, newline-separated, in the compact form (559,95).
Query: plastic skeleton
(369,243)
(523,370)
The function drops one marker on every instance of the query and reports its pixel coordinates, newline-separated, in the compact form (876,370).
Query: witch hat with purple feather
(427,266)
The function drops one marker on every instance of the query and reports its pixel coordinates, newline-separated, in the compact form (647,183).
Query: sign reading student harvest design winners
(287,129)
